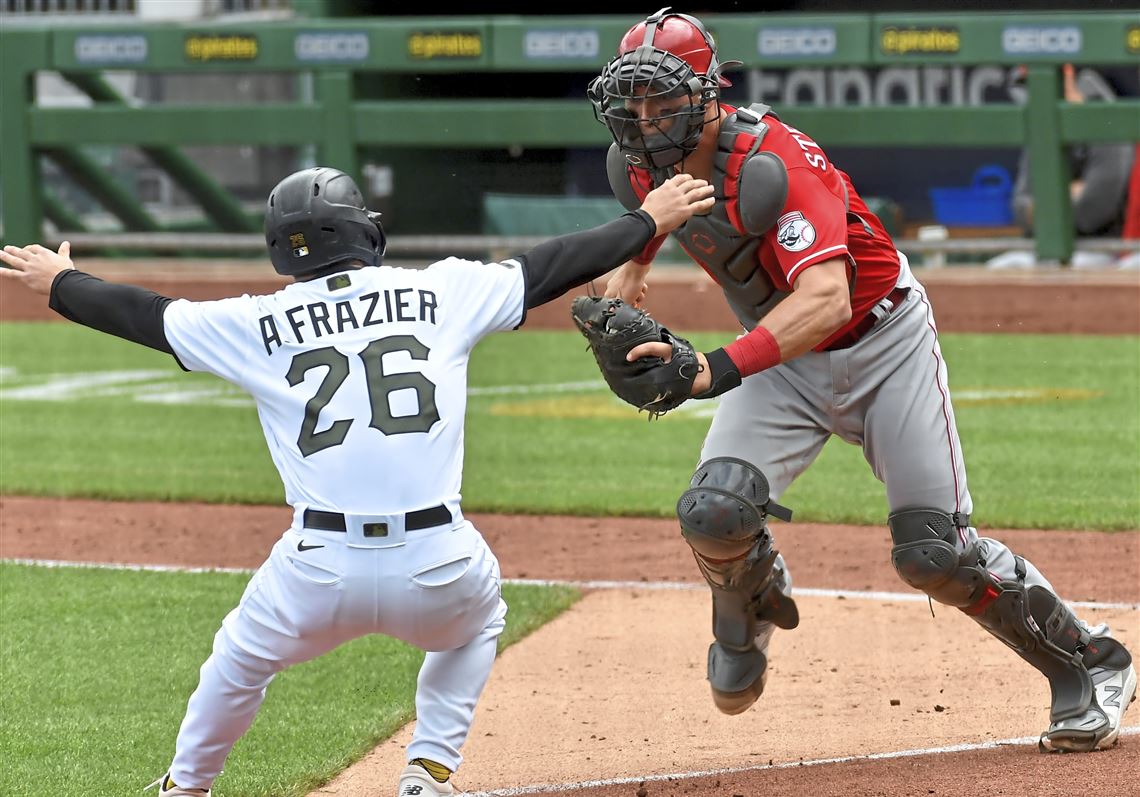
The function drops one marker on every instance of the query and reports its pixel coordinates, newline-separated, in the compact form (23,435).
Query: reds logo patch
(796,233)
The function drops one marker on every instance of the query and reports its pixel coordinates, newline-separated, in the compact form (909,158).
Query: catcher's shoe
(167,788)
(416,782)
(1114,687)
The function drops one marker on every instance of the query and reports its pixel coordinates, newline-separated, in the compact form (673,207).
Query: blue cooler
(986,202)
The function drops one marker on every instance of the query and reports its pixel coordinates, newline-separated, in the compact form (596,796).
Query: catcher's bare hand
(628,284)
(676,200)
(36,266)
(663,350)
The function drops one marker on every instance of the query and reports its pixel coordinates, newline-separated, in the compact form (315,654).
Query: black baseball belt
(867,322)
(420,519)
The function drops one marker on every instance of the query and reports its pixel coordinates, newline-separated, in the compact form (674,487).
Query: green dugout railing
(333,51)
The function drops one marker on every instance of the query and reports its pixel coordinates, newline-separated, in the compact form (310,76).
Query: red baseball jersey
(815,225)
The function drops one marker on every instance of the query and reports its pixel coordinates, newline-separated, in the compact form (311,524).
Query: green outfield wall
(339,122)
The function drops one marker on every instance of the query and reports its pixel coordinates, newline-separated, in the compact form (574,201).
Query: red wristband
(754,352)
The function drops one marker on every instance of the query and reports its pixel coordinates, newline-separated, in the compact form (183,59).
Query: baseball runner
(359,373)
(839,339)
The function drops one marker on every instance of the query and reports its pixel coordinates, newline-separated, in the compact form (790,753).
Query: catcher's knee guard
(1033,621)
(925,556)
(724,520)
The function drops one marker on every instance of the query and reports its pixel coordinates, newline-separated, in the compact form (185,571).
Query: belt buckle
(375,529)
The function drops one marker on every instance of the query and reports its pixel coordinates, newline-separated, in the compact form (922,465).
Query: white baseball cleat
(167,788)
(1114,687)
(416,782)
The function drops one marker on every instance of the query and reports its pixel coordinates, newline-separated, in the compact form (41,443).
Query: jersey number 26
(380,385)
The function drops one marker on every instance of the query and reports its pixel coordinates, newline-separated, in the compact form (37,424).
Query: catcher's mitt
(650,383)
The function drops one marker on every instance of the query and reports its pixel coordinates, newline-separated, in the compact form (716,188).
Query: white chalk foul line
(125,566)
(550,788)
(846,594)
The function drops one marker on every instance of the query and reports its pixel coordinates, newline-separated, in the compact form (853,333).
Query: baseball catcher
(644,363)
(837,341)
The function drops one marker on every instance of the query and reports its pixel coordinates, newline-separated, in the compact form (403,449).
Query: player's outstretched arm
(35,266)
(628,283)
(125,311)
(555,266)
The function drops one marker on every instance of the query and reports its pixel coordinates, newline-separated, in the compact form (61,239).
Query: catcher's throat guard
(613,328)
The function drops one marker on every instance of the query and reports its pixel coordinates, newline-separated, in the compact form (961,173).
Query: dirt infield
(871,696)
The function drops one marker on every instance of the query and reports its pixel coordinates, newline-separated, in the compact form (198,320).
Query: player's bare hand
(35,266)
(628,284)
(663,350)
(677,200)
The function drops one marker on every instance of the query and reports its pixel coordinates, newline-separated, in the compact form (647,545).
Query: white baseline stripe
(125,566)
(911,597)
(849,594)
(550,788)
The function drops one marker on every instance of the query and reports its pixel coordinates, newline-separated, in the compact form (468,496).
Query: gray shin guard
(1032,621)
(1042,630)
(723,518)
(737,665)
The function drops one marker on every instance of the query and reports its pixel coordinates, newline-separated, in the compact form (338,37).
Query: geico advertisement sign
(329,46)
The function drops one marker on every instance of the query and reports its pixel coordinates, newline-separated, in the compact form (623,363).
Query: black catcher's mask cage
(315,219)
(651,73)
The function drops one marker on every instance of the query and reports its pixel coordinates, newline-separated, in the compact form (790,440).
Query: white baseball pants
(437,589)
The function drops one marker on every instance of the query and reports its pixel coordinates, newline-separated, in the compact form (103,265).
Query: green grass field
(1050,426)
(97,666)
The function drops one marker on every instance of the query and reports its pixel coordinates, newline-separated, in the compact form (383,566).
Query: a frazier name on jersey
(315,320)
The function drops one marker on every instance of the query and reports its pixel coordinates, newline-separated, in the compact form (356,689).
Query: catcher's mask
(667,60)
(315,218)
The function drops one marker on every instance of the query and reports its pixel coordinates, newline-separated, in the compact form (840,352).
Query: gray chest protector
(761,189)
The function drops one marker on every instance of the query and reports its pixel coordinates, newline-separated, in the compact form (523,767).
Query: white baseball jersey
(360,378)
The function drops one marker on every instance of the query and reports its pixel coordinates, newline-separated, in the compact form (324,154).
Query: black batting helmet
(315,218)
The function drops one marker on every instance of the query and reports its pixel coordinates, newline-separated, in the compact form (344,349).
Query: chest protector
(751,188)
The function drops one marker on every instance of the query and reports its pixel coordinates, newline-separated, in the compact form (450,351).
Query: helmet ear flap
(382,246)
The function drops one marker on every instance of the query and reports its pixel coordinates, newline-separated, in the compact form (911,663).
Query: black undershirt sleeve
(555,266)
(125,311)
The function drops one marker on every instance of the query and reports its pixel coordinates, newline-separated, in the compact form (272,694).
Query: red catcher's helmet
(668,56)
(680,34)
